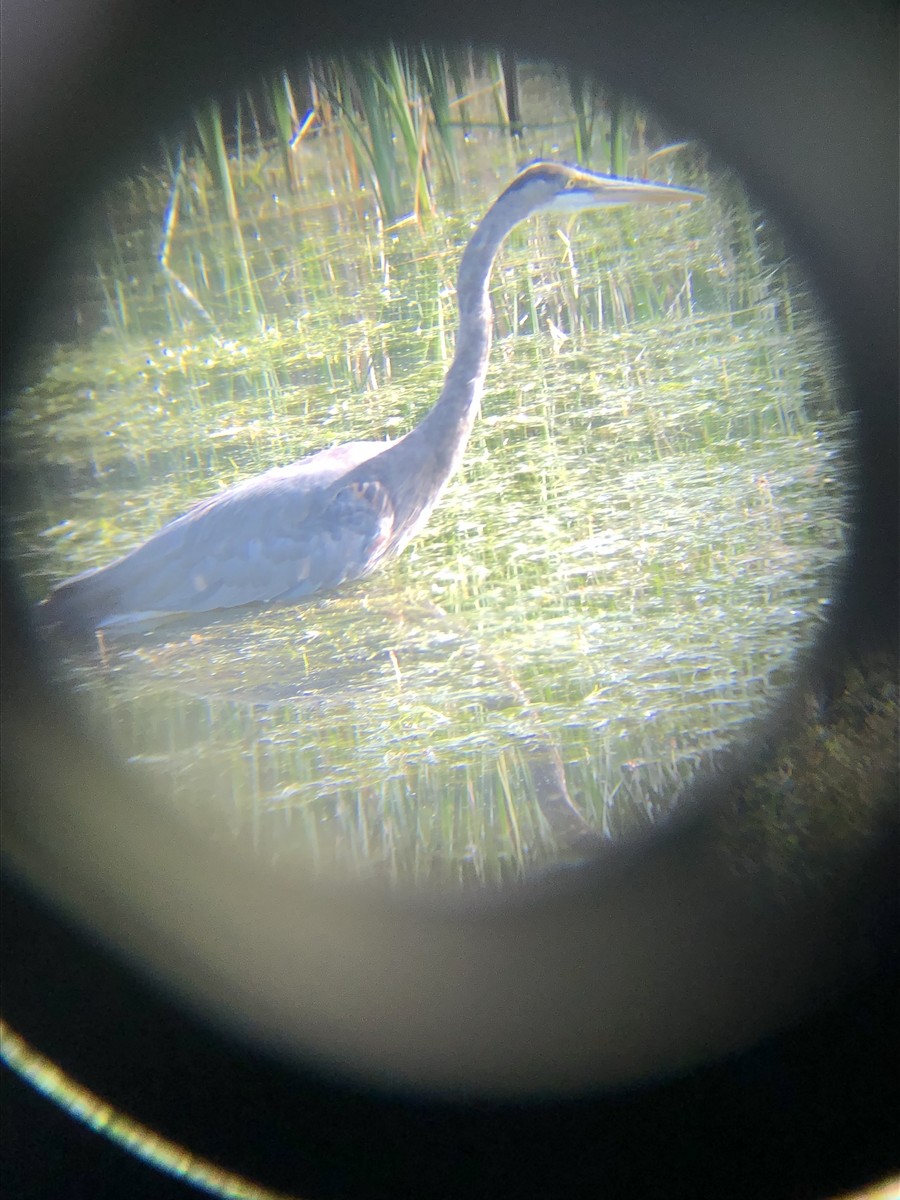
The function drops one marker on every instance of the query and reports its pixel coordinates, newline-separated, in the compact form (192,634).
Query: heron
(337,515)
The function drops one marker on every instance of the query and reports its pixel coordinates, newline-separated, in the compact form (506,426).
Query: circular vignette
(475,965)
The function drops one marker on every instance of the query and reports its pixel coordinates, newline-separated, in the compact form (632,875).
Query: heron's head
(559,188)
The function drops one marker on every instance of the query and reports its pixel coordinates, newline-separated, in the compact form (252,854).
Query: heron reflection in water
(339,514)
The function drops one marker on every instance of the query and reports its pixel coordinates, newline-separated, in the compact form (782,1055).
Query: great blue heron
(338,514)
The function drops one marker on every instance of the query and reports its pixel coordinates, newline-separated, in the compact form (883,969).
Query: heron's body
(336,515)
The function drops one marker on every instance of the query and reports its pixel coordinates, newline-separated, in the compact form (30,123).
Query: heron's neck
(446,429)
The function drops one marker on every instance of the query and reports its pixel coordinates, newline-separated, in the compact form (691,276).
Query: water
(641,540)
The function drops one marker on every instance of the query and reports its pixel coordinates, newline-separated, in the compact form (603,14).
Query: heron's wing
(257,545)
(283,535)
(345,540)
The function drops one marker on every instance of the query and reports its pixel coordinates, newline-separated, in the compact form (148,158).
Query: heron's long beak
(587,190)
